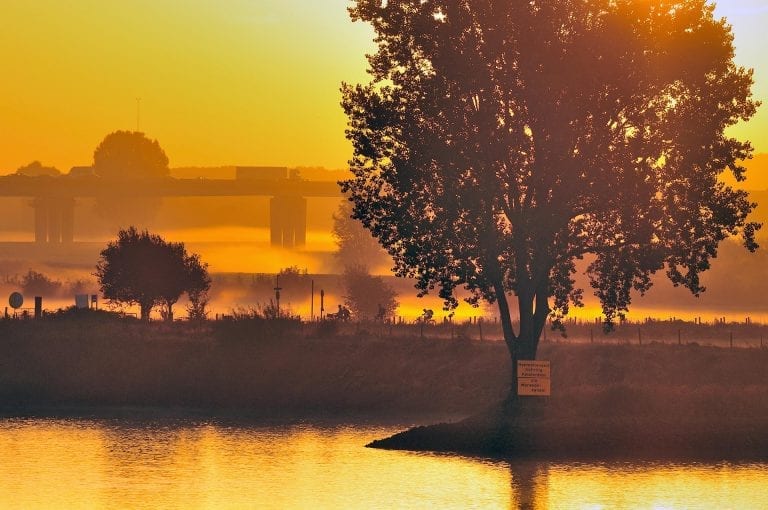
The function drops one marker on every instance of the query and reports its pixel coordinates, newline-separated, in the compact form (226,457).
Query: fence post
(38,307)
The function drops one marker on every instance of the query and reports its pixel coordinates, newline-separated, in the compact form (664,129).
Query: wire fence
(747,334)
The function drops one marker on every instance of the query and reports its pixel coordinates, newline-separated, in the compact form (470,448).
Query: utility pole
(277,294)
(138,113)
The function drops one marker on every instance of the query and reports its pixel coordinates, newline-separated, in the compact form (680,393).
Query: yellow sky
(230,82)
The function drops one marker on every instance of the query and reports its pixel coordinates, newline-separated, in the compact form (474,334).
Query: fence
(649,331)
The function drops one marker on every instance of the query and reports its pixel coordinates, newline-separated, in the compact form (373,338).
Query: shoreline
(229,417)
(607,400)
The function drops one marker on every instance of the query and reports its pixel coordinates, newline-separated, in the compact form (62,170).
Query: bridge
(53,199)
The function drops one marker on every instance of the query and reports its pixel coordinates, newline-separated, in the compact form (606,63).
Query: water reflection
(118,464)
(659,486)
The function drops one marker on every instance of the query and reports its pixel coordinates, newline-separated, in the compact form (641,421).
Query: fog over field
(231,234)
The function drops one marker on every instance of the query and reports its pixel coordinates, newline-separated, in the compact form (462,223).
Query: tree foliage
(368,297)
(129,154)
(34,283)
(143,269)
(356,245)
(499,142)
(37,169)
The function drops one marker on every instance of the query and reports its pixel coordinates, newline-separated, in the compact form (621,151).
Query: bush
(259,323)
(38,284)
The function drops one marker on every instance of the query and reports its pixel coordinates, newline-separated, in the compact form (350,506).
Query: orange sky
(246,82)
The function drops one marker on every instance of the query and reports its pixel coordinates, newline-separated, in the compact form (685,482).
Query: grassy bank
(614,398)
(622,401)
(262,367)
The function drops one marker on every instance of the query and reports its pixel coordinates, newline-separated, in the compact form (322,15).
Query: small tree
(143,269)
(199,282)
(37,284)
(368,296)
(36,169)
(356,245)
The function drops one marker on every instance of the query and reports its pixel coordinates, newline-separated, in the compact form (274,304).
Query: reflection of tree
(527,488)
(126,155)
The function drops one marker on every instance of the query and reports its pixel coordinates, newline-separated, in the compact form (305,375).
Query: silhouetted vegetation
(128,155)
(34,283)
(87,316)
(500,142)
(143,269)
(368,297)
(263,323)
(356,246)
(36,169)
(37,283)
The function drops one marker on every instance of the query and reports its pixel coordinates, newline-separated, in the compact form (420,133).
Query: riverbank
(255,367)
(653,402)
(607,400)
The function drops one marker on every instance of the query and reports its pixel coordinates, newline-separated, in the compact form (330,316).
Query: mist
(231,234)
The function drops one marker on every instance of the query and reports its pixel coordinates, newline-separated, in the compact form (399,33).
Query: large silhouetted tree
(143,269)
(501,141)
(128,155)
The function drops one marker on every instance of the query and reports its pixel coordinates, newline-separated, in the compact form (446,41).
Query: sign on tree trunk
(533,378)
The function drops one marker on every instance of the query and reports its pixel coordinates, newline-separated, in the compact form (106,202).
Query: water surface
(79,463)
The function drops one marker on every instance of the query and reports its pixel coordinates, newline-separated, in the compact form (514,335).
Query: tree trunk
(525,344)
(510,338)
(168,315)
(146,309)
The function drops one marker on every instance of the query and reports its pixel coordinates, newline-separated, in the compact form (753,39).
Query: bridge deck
(79,187)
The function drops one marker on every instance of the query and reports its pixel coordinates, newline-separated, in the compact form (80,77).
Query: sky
(230,82)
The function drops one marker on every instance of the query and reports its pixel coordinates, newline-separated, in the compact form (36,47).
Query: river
(200,464)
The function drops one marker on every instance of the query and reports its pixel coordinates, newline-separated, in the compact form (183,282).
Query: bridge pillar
(288,221)
(40,206)
(54,220)
(67,208)
(54,223)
